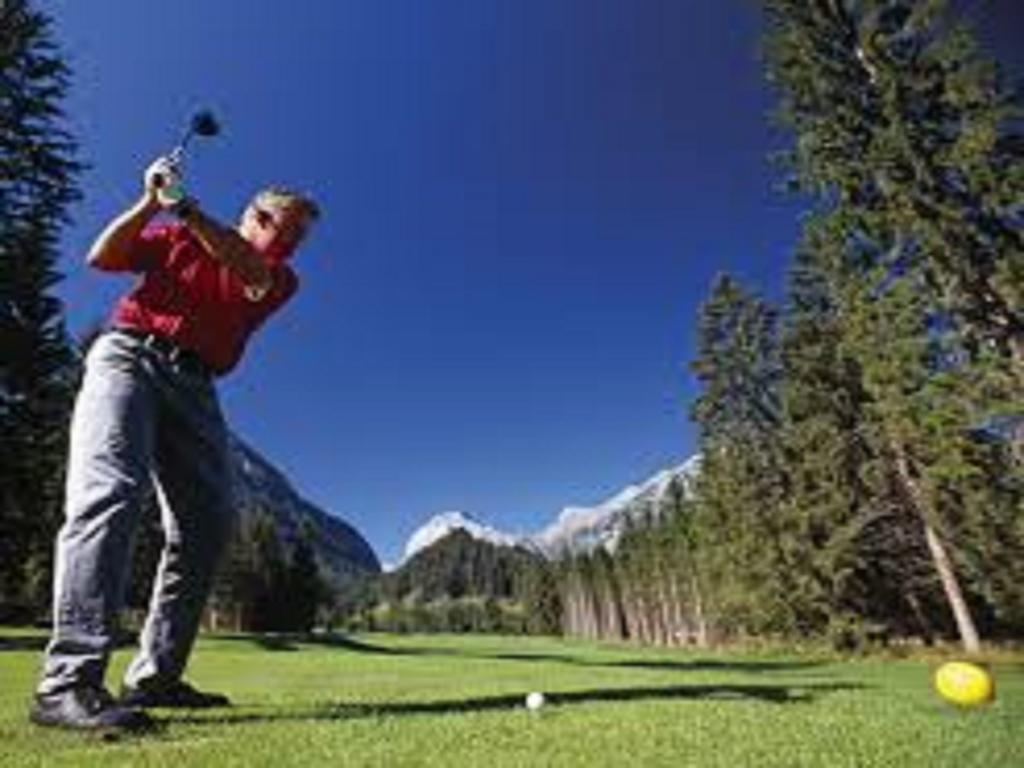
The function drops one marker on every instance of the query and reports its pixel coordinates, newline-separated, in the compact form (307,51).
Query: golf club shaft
(202,123)
(174,157)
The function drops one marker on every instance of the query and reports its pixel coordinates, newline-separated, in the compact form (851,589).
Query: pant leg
(194,491)
(107,476)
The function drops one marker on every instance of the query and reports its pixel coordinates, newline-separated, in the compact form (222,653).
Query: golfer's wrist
(148,205)
(186,209)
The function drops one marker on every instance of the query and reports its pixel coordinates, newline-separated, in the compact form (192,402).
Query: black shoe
(178,694)
(87,709)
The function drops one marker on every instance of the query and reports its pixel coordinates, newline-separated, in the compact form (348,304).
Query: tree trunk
(667,612)
(962,614)
(630,600)
(680,631)
(643,622)
(592,606)
(570,621)
(698,615)
(940,557)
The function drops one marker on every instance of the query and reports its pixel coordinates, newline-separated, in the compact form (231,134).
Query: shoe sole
(100,731)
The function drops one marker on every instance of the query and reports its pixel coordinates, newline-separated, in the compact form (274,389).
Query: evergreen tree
(541,599)
(644,556)
(459,565)
(305,588)
(236,584)
(633,574)
(607,598)
(898,112)
(680,557)
(903,137)
(745,548)
(579,617)
(253,584)
(461,584)
(37,184)
(270,569)
(827,449)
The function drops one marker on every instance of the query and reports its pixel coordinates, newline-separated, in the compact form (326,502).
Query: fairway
(459,700)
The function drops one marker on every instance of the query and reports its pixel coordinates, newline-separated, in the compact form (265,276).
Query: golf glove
(164,176)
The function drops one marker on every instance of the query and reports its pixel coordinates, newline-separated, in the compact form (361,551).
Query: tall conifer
(37,185)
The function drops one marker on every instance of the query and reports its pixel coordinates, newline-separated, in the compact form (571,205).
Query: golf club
(203,123)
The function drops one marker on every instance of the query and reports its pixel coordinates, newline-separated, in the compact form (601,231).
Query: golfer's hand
(162,175)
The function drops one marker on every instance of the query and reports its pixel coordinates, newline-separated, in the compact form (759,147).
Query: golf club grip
(174,160)
(159,179)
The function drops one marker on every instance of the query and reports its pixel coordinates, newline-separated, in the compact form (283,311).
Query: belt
(181,358)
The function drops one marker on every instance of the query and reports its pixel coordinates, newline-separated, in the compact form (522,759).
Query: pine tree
(898,112)
(37,184)
(607,597)
(304,586)
(632,574)
(253,580)
(903,138)
(580,616)
(681,557)
(827,448)
(541,599)
(743,549)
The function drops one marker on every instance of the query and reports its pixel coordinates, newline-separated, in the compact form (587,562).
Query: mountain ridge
(341,551)
(576,529)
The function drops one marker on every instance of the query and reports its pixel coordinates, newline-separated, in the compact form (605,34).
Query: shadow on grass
(292,642)
(769,694)
(724,666)
(661,665)
(23,643)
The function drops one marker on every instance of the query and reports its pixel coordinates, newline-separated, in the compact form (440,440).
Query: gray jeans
(138,419)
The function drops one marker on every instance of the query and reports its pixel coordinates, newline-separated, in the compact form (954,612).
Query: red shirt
(195,301)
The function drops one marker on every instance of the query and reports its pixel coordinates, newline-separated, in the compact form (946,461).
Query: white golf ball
(535,701)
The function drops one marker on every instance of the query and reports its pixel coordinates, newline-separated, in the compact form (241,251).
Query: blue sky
(524,204)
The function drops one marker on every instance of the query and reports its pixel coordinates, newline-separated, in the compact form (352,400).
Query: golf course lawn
(444,700)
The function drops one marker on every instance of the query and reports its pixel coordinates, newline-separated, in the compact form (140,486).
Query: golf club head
(204,123)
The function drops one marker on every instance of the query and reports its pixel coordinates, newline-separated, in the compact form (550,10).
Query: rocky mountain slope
(340,549)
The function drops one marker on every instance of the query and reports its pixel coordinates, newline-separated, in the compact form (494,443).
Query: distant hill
(442,524)
(460,565)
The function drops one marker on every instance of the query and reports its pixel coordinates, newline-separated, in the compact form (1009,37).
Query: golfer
(147,412)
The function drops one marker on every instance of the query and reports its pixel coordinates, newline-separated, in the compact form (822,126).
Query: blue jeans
(138,419)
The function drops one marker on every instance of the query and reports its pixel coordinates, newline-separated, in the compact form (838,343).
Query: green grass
(430,700)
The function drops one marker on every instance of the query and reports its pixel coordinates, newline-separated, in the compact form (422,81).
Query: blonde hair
(280,198)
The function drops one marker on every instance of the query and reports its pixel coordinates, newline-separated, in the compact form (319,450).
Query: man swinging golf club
(147,411)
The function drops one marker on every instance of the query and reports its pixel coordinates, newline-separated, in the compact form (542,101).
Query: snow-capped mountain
(584,529)
(258,486)
(577,529)
(441,525)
